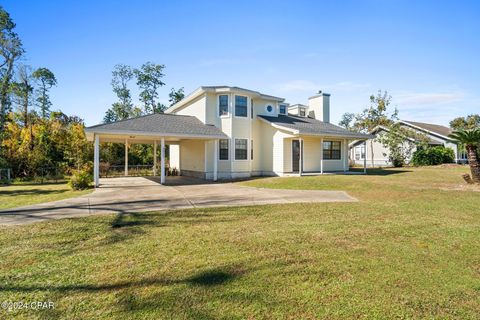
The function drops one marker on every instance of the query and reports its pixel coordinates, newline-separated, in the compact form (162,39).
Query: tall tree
(376,114)
(10,51)
(149,79)
(347,120)
(465,123)
(46,80)
(471,140)
(175,96)
(123,109)
(22,90)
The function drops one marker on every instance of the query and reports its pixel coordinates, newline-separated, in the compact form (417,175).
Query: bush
(433,156)
(80,179)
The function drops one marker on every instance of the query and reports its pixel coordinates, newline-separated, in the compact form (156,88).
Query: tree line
(34,135)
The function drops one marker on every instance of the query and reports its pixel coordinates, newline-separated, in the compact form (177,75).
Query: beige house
(222,132)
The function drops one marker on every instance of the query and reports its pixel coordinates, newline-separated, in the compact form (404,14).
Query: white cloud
(434,98)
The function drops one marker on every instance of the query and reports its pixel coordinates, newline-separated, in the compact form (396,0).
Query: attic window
(301,112)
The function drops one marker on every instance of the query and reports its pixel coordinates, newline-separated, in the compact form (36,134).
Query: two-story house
(222,132)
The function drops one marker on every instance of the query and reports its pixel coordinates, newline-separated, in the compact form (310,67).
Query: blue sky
(425,53)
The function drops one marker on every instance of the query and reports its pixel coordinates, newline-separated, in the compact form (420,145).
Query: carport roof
(311,127)
(160,124)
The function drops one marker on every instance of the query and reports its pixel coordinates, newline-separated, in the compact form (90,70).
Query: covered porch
(186,135)
(309,155)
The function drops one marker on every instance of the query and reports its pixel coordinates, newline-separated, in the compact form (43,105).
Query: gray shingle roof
(309,126)
(435,128)
(161,124)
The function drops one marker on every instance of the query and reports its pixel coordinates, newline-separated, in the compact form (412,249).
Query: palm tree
(471,140)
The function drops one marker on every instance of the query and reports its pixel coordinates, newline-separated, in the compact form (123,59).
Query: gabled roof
(435,129)
(380,128)
(219,89)
(160,124)
(310,126)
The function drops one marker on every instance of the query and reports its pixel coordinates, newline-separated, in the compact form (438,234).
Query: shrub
(433,156)
(80,179)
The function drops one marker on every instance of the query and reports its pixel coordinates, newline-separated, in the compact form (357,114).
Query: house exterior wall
(192,158)
(272,147)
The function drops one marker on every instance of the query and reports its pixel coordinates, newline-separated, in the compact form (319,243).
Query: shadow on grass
(207,278)
(380,171)
(29,192)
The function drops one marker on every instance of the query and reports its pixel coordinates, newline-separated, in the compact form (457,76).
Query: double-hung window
(241,149)
(241,108)
(283,109)
(331,150)
(223,146)
(301,112)
(223,105)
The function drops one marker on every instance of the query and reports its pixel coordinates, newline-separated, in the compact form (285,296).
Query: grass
(22,194)
(410,248)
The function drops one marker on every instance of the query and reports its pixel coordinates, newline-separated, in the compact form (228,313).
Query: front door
(295,155)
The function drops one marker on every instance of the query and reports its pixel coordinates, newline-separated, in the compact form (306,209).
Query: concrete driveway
(137,194)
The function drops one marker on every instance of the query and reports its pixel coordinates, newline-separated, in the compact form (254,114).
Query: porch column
(162,161)
(155,158)
(321,156)
(215,160)
(365,156)
(345,155)
(96,161)
(126,157)
(300,167)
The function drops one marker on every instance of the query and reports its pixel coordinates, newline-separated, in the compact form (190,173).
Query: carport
(159,130)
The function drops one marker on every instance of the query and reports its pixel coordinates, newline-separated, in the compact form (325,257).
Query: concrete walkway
(137,194)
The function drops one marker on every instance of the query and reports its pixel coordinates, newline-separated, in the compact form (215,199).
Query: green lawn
(410,248)
(22,194)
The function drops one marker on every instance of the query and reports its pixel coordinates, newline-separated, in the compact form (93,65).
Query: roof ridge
(141,116)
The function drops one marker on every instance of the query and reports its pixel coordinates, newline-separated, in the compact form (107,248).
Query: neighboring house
(222,132)
(437,135)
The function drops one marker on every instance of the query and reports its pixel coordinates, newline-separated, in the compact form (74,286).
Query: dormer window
(301,112)
(283,109)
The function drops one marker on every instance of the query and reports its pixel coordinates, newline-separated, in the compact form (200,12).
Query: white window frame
(228,105)
(234,107)
(229,156)
(235,147)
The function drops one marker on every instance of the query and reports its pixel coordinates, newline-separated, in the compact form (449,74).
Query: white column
(96,161)
(321,156)
(126,157)
(300,167)
(345,155)
(205,158)
(162,161)
(215,160)
(365,156)
(155,158)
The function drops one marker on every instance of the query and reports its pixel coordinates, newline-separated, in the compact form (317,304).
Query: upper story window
(241,108)
(283,109)
(223,105)
(251,108)
(331,150)
(301,112)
